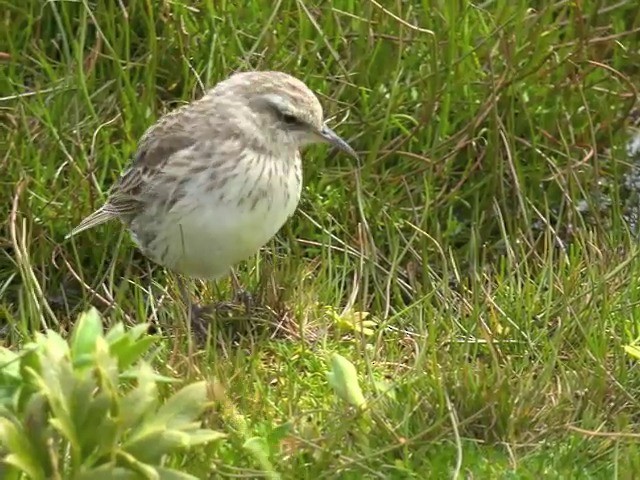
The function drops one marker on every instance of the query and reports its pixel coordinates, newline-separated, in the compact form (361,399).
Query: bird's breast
(210,229)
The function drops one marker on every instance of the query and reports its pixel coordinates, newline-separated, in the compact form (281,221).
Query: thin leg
(235,281)
(195,312)
(186,298)
(240,295)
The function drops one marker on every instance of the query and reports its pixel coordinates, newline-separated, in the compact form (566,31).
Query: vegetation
(475,271)
(64,415)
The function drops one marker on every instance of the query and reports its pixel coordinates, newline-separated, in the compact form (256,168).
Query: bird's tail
(96,218)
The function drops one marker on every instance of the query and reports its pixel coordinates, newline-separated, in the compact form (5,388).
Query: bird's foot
(200,318)
(245,298)
(241,300)
(201,315)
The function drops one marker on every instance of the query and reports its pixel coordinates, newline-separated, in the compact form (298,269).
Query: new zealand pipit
(214,180)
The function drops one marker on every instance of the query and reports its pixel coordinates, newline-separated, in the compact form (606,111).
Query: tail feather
(96,218)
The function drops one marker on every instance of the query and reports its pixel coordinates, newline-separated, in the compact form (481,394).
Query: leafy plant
(633,350)
(343,378)
(90,408)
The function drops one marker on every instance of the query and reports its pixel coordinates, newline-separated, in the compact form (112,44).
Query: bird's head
(285,110)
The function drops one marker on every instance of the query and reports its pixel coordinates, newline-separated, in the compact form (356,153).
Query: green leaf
(9,472)
(144,470)
(57,383)
(11,382)
(171,474)
(633,350)
(344,380)
(35,421)
(65,428)
(22,455)
(154,441)
(107,472)
(277,434)
(134,373)
(184,406)
(85,333)
(54,346)
(204,435)
(31,470)
(115,333)
(128,351)
(309,427)
(385,388)
(140,401)
(258,448)
(97,430)
(107,365)
(353,321)
(139,330)
(82,399)
(107,436)
(151,442)
(30,361)
(9,365)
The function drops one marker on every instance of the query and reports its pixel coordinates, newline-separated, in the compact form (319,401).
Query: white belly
(204,235)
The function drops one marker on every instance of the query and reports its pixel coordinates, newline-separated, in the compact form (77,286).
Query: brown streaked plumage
(214,180)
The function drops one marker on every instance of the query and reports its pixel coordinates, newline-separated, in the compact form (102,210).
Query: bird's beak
(332,138)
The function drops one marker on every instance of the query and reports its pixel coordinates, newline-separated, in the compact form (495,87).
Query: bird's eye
(290,119)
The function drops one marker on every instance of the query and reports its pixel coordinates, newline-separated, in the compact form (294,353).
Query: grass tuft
(483,232)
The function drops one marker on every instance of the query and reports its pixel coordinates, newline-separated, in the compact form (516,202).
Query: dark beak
(332,138)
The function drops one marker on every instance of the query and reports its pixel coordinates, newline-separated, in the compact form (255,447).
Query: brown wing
(127,196)
(128,193)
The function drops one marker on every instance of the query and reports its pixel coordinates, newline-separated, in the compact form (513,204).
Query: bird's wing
(127,195)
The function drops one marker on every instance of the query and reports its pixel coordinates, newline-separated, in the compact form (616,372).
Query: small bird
(214,180)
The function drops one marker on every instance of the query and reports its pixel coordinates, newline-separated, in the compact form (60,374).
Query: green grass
(502,309)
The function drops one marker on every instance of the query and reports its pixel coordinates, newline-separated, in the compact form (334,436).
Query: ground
(484,231)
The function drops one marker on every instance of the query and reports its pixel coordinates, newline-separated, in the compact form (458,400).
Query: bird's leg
(240,295)
(196,313)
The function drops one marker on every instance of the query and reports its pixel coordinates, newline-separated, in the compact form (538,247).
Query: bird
(213,181)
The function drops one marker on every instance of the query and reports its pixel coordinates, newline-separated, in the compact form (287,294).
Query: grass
(474,232)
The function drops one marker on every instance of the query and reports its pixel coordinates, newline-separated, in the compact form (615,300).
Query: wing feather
(98,217)
(127,196)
